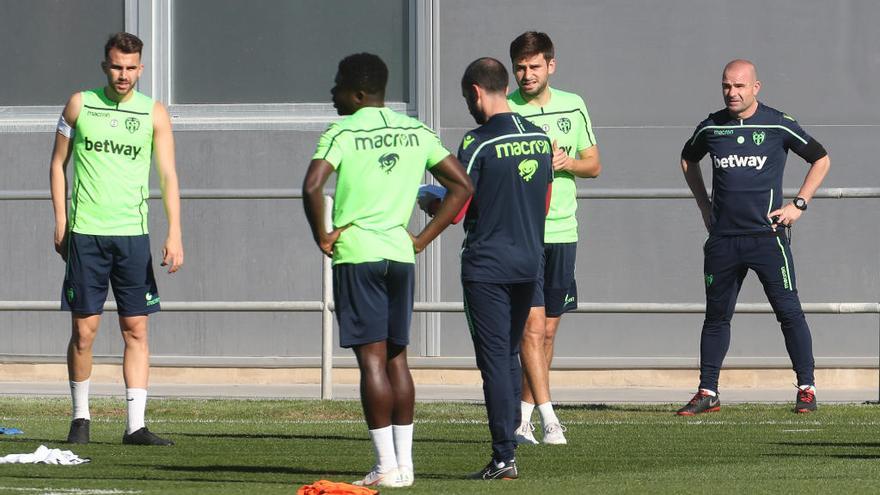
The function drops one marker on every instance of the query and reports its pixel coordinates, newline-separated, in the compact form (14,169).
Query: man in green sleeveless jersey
(113,133)
(380,157)
(563,116)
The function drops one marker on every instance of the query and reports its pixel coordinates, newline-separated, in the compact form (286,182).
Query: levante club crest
(758,137)
(564,124)
(132,124)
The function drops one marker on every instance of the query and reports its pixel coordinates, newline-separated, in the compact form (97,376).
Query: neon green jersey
(112,150)
(565,120)
(380,157)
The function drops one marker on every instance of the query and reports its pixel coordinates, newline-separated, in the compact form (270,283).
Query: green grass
(267,447)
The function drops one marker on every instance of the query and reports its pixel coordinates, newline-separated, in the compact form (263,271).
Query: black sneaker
(806,400)
(702,402)
(493,472)
(144,437)
(79,431)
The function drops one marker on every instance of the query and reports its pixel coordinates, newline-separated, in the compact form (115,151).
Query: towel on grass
(10,431)
(45,455)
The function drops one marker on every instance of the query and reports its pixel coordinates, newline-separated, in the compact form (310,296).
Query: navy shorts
(95,261)
(374,301)
(556,288)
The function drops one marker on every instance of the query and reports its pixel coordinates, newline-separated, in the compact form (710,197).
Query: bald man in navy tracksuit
(747,217)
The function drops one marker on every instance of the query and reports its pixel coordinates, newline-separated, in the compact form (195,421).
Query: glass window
(53,48)
(282,51)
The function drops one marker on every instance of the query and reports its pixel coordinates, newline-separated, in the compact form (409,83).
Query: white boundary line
(610,422)
(77,491)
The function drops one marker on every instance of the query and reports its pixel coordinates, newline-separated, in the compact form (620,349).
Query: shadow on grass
(54,443)
(830,444)
(276,436)
(821,445)
(647,409)
(449,440)
(233,468)
(836,456)
(152,479)
(293,471)
(271,436)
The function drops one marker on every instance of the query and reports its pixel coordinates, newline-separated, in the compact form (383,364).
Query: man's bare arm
(61,152)
(451,175)
(163,148)
(313,203)
(789,213)
(586,166)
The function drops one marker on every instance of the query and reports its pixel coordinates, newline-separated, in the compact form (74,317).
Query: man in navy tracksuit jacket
(509,162)
(746,218)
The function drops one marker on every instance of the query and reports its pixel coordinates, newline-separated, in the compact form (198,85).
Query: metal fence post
(326,314)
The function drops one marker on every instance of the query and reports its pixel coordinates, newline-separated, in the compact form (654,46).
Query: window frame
(151,20)
(44,118)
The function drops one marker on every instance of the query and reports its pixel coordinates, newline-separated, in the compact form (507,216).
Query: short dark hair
(363,72)
(531,43)
(124,42)
(487,73)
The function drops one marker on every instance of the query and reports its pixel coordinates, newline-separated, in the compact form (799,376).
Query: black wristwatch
(800,203)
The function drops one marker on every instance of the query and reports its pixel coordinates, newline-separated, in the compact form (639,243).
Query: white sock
(136,399)
(547,414)
(79,393)
(526,408)
(709,392)
(812,388)
(383,447)
(403,440)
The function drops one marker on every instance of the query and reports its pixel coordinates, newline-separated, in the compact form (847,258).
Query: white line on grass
(76,491)
(610,422)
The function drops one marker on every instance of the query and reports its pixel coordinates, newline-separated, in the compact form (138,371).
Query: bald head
(741,66)
(740,86)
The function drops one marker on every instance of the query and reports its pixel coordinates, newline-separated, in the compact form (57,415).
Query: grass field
(268,447)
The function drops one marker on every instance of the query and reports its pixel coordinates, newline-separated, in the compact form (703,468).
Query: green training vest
(112,151)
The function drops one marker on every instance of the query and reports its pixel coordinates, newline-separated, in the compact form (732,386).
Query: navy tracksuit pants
(496,315)
(727,260)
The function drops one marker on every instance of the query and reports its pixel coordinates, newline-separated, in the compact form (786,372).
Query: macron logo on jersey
(108,146)
(733,161)
(518,148)
(389,140)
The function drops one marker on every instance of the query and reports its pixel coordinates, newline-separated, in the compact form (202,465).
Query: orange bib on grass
(324,487)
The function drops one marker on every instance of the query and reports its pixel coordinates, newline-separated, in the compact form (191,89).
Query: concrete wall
(649,72)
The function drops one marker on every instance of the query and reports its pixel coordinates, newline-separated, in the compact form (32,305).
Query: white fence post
(326,314)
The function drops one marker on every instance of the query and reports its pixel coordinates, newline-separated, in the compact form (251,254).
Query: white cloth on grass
(45,455)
